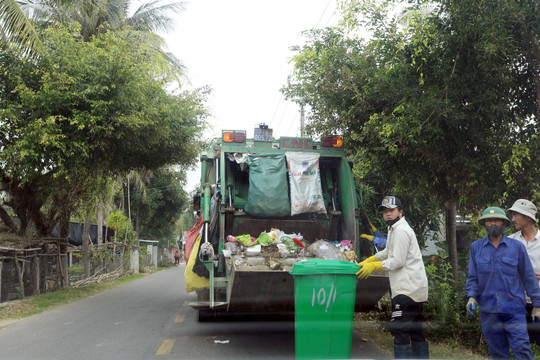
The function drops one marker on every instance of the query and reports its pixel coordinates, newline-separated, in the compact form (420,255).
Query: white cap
(524,207)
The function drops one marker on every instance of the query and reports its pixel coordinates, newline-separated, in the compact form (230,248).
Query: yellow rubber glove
(368,260)
(367,237)
(368,268)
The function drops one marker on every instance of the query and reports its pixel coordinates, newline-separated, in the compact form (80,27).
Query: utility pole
(301,120)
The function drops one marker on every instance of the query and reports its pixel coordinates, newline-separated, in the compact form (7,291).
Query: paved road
(149,319)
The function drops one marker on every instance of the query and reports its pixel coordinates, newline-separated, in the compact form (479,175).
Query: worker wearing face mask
(499,273)
(402,260)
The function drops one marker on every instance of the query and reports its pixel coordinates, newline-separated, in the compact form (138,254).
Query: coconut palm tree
(17,30)
(147,20)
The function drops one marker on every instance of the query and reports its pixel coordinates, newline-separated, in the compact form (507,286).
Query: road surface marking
(180,318)
(166,347)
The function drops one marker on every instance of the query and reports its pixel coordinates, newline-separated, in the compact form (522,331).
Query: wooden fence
(32,268)
(36,266)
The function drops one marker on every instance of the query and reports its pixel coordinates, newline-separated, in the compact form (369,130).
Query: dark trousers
(532,328)
(406,322)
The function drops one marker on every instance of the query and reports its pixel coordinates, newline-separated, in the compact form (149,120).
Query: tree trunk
(129,212)
(536,50)
(138,218)
(450,217)
(100,224)
(8,221)
(23,222)
(85,246)
(63,227)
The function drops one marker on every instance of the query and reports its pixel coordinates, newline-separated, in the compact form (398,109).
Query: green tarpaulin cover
(268,193)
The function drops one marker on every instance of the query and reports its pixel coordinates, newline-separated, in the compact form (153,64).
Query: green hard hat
(494,212)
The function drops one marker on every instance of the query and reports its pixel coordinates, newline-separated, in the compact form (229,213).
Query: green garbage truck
(266,204)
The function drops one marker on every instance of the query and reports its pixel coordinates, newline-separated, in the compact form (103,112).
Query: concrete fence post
(134,260)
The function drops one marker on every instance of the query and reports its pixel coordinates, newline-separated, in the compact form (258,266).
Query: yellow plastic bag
(193,281)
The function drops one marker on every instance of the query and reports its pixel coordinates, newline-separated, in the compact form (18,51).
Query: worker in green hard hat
(499,274)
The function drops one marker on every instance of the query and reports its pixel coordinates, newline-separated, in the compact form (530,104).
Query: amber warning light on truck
(237,136)
(332,141)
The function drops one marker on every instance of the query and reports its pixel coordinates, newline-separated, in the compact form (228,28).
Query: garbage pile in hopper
(275,247)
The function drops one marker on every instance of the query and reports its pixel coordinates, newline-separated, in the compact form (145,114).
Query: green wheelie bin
(324,296)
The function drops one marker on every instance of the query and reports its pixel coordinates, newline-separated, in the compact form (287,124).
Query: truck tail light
(332,141)
(234,136)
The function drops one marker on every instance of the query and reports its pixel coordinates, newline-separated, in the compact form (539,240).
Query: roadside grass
(372,329)
(18,309)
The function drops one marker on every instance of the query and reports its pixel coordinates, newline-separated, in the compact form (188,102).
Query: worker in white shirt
(408,281)
(523,214)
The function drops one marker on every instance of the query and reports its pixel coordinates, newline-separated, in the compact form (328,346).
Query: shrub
(445,314)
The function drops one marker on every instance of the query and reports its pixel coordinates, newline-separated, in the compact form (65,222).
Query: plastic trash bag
(246,240)
(265,239)
(283,251)
(194,281)
(292,246)
(323,249)
(253,250)
(232,247)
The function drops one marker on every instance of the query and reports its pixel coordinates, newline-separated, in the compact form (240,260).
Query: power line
(292,123)
(282,116)
(326,8)
(290,74)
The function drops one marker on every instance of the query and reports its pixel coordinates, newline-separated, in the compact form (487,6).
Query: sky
(241,49)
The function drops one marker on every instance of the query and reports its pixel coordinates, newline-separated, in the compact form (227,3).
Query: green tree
(429,102)
(147,20)
(87,111)
(17,30)
(162,205)
(123,230)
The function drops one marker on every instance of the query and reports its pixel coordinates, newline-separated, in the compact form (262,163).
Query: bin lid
(324,266)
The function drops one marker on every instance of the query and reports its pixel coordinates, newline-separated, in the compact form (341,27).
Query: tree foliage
(17,30)
(123,229)
(161,205)
(87,111)
(439,100)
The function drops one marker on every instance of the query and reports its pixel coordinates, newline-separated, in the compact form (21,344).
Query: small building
(153,256)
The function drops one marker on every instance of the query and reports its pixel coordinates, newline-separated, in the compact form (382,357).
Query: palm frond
(117,12)
(18,30)
(155,16)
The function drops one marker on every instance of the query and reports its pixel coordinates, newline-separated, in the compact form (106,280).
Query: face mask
(392,222)
(495,231)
